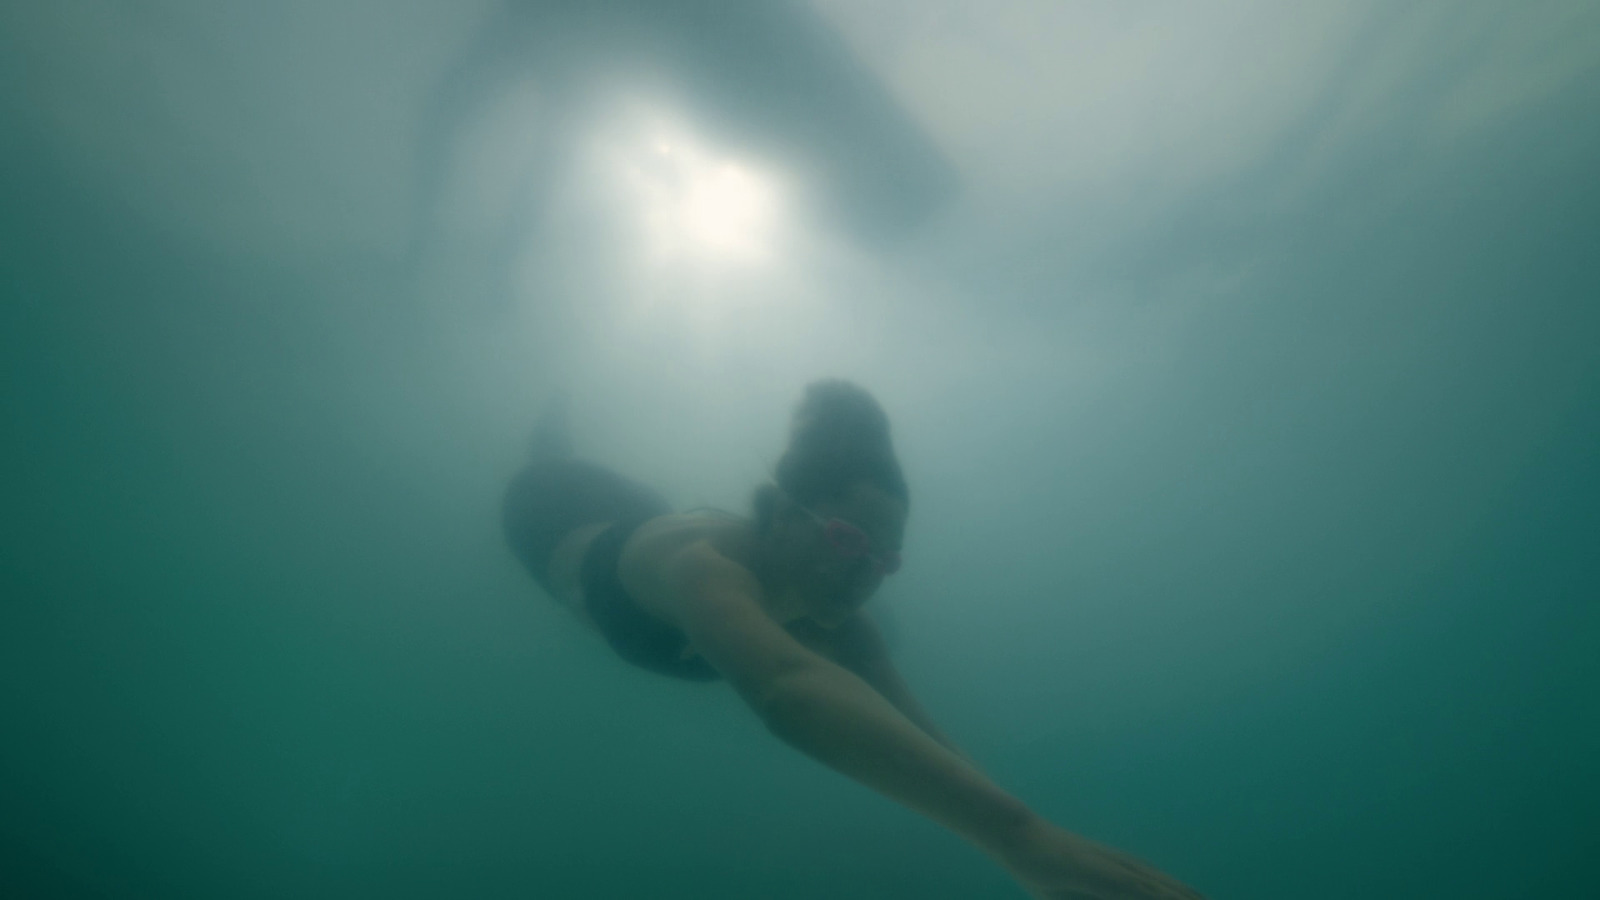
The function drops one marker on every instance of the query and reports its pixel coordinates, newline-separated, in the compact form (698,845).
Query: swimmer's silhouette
(773,604)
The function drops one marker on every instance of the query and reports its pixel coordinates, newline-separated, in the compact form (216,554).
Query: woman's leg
(555,495)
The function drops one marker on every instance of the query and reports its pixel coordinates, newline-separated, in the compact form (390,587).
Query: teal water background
(1255,505)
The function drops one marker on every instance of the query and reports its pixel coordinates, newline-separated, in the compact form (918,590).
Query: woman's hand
(1055,864)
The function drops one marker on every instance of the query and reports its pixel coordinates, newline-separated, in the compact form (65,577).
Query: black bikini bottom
(637,636)
(551,498)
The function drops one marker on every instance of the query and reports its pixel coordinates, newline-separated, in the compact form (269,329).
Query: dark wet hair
(839,436)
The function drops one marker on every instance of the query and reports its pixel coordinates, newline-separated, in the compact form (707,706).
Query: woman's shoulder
(664,537)
(666,545)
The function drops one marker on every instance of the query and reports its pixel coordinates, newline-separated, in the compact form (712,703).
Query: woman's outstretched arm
(858,645)
(834,716)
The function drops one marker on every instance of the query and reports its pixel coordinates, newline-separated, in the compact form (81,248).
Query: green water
(1255,506)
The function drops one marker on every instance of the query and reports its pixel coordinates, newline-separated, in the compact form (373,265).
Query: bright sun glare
(694,204)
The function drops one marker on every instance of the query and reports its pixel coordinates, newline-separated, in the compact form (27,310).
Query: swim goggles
(850,542)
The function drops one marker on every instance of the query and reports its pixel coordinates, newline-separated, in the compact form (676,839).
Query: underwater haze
(1241,356)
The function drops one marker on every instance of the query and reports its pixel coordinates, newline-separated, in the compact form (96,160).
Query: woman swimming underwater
(772,604)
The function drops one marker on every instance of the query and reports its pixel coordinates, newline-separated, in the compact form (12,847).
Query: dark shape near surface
(769,77)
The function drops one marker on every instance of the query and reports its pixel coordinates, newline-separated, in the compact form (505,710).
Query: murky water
(1241,360)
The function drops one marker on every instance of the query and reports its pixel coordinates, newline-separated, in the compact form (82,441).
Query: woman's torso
(650,545)
(645,553)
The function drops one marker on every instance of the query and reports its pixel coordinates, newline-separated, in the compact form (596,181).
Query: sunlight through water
(695,205)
